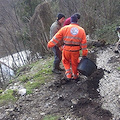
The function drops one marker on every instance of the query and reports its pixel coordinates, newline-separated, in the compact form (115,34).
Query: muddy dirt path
(110,84)
(94,98)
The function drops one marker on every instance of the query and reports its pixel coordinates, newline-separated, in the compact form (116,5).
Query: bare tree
(94,13)
(11,27)
(40,23)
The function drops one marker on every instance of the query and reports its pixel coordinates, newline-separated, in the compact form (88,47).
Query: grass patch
(7,97)
(118,68)
(24,78)
(50,117)
(31,77)
(45,71)
(11,81)
(43,64)
(36,75)
(39,72)
(1,91)
(42,70)
(33,64)
(42,78)
(24,68)
(33,85)
(20,70)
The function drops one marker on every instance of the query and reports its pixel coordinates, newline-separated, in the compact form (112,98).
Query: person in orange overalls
(68,21)
(74,38)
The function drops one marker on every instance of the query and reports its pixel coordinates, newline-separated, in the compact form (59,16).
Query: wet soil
(80,100)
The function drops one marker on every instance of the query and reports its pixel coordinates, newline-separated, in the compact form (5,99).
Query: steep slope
(83,100)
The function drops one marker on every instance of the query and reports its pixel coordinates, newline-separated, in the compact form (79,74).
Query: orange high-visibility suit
(74,39)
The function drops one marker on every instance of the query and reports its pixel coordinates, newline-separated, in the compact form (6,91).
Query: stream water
(9,62)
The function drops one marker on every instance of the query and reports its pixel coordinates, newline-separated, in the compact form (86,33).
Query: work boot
(65,80)
(56,71)
(60,69)
(77,79)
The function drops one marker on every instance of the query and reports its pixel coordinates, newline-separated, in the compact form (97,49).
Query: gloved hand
(48,47)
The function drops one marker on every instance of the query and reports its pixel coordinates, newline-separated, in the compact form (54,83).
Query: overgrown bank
(29,77)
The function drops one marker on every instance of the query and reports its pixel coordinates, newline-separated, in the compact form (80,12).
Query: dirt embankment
(83,100)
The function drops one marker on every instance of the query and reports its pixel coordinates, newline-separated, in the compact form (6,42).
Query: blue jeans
(57,56)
